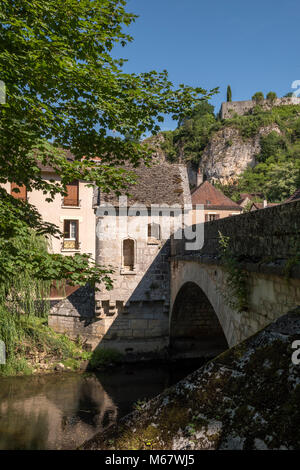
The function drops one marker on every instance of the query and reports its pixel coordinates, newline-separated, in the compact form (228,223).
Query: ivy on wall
(235,291)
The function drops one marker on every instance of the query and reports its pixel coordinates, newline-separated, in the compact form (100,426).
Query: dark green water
(61,411)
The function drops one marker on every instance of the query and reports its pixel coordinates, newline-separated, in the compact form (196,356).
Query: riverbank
(32,347)
(246,398)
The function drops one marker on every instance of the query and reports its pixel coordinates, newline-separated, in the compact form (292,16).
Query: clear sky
(251,45)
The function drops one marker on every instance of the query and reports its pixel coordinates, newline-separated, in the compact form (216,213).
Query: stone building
(73,214)
(255,206)
(216,204)
(134,316)
(247,199)
(231,108)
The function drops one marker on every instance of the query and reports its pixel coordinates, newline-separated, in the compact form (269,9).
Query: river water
(61,411)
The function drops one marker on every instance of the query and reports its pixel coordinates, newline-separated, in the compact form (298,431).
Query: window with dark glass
(209,217)
(128,254)
(154,231)
(71,234)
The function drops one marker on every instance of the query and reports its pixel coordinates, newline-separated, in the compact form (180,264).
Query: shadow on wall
(141,322)
(195,329)
(73,314)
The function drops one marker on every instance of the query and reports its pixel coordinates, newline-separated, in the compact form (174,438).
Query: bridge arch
(195,327)
(195,283)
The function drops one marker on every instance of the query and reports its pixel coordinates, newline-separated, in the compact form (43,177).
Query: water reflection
(61,411)
(52,412)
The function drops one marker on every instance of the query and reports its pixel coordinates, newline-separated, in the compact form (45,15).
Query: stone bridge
(183,299)
(265,245)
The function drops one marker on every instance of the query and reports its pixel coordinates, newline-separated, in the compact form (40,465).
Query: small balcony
(70,245)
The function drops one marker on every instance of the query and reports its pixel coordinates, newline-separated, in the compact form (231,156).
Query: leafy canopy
(63,86)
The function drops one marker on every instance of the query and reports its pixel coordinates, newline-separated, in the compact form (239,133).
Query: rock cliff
(228,154)
(224,158)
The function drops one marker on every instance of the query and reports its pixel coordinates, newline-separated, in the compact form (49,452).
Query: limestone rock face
(247,398)
(228,154)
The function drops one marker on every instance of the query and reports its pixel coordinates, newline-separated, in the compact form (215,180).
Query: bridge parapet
(268,234)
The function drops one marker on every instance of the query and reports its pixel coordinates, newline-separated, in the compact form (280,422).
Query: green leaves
(63,85)
(23,251)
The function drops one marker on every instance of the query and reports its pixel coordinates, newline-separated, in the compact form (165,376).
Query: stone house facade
(72,214)
(134,316)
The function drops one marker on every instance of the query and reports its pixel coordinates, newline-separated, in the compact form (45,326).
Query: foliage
(139,405)
(25,264)
(229,94)
(270,145)
(63,86)
(103,357)
(235,291)
(258,97)
(271,96)
(190,138)
(25,335)
(277,174)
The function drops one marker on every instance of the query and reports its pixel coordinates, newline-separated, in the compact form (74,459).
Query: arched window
(154,231)
(128,254)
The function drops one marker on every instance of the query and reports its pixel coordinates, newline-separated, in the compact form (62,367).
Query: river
(62,410)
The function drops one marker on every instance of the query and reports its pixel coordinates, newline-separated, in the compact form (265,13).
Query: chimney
(265,204)
(199,177)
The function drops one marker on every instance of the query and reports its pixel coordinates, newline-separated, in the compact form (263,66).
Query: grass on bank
(28,339)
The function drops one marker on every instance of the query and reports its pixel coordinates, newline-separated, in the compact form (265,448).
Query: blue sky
(253,46)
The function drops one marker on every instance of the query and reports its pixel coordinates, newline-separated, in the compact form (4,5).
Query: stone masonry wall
(229,109)
(269,296)
(267,234)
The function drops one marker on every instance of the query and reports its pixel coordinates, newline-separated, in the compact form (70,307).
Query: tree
(258,97)
(188,141)
(271,96)
(229,94)
(63,86)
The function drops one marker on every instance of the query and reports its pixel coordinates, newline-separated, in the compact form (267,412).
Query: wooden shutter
(22,194)
(72,198)
(66,229)
(206,218)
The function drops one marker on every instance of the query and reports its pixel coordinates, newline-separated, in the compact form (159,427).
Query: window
(210,217)
(153,231)
(71,235)
(21,194)
(128,254)
(72,198)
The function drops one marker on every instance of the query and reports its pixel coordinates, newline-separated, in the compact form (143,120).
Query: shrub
(103,357)
(271,96)
(258,97)
(270,145)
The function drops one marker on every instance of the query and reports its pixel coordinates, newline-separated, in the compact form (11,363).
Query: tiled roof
(208,195)
(260,205)
(294,197)
(47,168)
(159,184)
(249,196)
